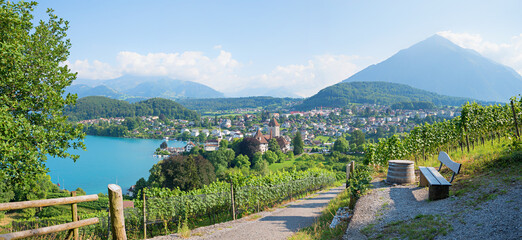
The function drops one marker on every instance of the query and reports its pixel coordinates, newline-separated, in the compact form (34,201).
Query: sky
(302,46)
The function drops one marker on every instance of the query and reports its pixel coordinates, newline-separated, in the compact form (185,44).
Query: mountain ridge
(437,64)
(138,87)
(383,93)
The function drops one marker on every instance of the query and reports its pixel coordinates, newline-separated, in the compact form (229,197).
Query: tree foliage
(341,145)
(344,94)
(297,141)
(183,172)
(103,107)
(273,145)
(33,78)
(248,147)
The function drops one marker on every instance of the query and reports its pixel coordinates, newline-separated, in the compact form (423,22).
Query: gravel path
(278,224)
(490,212)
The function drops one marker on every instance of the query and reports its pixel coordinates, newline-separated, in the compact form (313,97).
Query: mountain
(137,87)
(103,107)
(83,91)
(383,93)
(438,65)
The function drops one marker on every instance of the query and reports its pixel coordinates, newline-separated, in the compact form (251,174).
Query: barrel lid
(405,162)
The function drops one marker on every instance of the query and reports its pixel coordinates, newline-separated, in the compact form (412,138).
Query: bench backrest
(454,166)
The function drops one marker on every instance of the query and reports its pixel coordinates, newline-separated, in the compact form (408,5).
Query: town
(319,128)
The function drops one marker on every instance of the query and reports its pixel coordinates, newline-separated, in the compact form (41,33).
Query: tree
(297,141)
(261,167)
(241,161)
(341,145)
(186,172)
(273,145)
(249,146)
(270,157)
(223,144)
(131,123)
(221,159)
(140,184)
(80,191)
(358,137)
(32,94)
(164,145)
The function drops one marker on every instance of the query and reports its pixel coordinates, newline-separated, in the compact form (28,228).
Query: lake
(107,160)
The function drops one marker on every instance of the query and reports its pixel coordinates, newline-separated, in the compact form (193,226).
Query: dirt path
(278,224)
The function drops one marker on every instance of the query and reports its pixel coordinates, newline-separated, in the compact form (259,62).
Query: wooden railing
(115,206)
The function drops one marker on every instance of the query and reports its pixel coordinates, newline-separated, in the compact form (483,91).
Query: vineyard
(476,125)
(213,203)
(166,209)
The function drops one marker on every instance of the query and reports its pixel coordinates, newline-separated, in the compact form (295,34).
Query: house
(212,145)
(189,146)
(226,123)
(237,134)
(205,132)
(194,133)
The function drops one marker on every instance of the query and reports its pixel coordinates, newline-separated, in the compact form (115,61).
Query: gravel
(492,211)
(280,223)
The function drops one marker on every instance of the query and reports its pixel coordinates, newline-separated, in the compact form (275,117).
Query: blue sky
(298,45)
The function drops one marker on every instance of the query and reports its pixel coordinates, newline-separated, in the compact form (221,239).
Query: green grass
(420,227)
(322,138)
(274,167)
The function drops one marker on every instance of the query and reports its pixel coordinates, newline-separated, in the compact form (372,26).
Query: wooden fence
(115,206)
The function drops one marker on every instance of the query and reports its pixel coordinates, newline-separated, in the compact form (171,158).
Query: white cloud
(217,72)
(222,71)
(306,79)
(93,70)
(509,54)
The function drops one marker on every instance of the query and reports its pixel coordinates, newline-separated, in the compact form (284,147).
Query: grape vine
(475,125)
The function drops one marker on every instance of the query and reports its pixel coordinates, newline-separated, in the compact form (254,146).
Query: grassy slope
(483,164)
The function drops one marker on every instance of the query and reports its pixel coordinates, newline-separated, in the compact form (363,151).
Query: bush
(28,212)
(50,212)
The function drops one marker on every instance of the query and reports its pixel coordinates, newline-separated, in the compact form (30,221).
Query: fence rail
(47,230)
(47,202)
(115,206)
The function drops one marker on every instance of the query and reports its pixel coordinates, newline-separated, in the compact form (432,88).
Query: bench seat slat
(442,181)
(429,176)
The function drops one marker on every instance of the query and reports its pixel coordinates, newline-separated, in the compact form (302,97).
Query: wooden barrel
(400,171)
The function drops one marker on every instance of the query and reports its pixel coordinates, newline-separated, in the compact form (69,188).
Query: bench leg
(438,192)
(423,182)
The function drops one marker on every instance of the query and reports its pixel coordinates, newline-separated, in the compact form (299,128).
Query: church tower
(273,128)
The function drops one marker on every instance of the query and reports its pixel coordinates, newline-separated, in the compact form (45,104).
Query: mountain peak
(436,64)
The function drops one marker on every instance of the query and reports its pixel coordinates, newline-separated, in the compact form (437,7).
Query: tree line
(102,107)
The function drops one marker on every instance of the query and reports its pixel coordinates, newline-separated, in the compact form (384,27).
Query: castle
(275,133)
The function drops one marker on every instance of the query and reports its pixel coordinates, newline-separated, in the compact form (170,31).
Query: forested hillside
(383,93)
(103,107)
(224,104)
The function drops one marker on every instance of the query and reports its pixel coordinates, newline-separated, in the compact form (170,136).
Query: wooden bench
(438,186)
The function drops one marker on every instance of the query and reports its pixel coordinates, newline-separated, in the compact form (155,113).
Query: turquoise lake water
(107,160)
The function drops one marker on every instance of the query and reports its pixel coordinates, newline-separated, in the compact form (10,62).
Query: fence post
(116,211)
(144,216)
(74,209)
(515,118)
(232,200)
(352,168)
(352,197)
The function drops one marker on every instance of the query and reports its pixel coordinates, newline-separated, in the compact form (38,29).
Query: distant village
(318,128)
